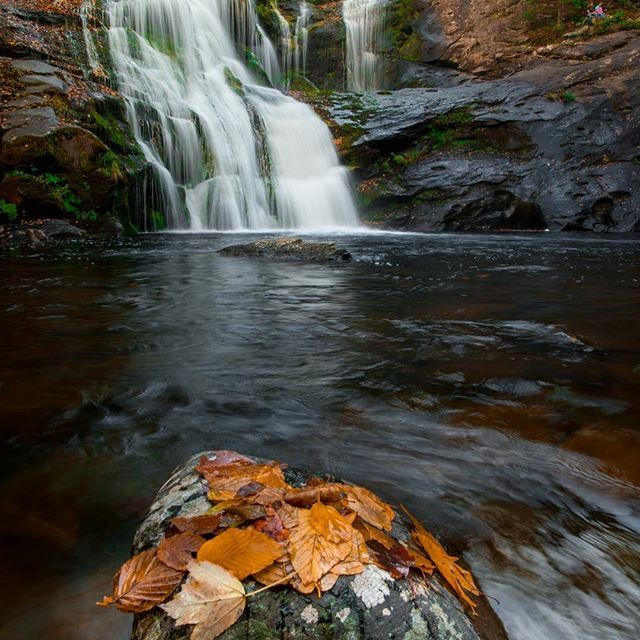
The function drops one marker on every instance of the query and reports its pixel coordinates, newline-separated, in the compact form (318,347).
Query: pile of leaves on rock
(261,527)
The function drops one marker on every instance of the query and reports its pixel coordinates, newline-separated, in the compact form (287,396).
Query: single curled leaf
(142,582)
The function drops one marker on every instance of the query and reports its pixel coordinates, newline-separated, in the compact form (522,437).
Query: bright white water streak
(227,153)
(364,23)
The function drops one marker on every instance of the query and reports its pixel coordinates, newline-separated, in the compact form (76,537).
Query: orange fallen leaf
(322,539)
(276,572)
(241,551)
(211,599)
(373,533)
(142,582)
(177,551)
(369,507)
(460,580)
(330,492)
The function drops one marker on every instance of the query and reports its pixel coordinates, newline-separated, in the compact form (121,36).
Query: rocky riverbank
(66,150)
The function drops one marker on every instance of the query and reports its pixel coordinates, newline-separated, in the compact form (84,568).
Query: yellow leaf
(241,551)
(322,539)
(460,580)
(211,599)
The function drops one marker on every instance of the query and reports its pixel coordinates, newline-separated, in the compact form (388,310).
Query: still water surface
(491,383)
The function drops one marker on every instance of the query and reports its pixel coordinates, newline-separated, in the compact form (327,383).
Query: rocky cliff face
(481,129)
(65,148)
(478,128)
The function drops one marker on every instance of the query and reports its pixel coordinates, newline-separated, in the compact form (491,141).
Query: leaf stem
(273,584)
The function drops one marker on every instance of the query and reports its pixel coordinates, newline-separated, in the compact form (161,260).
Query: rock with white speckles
(371,605)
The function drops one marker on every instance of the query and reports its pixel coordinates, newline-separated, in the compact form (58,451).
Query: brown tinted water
(491,383)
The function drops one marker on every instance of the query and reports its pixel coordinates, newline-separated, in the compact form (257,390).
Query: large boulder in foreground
(371,605)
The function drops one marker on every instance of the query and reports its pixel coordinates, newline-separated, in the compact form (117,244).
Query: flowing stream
(227,152)
(364,23)
(489,382)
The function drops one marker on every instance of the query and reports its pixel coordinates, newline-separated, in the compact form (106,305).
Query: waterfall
(301,38)
(364,23)
(293,49)
(92,51)
(226,152)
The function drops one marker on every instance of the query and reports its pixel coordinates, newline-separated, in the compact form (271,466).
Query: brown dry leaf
(223,458)
(322,539)
(211,599)
(373,533)
(225,482)
(288,515)
(142,583)
(241,551)
(369,507)
(176,551)
(272,525)
(398,560)
(224,506)
(357,558)
(330,492)
(276,572)
(268,496)
(460,580)
(200,525)
(248,511)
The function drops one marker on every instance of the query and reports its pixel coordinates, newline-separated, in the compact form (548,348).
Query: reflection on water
(489,382)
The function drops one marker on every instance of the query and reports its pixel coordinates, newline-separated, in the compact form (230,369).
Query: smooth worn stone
(44,84)
(368,606)
(34,66)
(289,249)
(26,101)
(44,116)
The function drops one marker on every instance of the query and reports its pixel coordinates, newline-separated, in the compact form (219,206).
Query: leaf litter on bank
(261,527)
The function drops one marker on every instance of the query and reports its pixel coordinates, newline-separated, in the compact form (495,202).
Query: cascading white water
(301,38)
(364,23)
(226,152)
(92,51)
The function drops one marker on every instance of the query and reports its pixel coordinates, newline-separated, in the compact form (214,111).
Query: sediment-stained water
(491,383)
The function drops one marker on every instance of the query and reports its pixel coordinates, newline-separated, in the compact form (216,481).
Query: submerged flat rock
(291,248)
(368,606)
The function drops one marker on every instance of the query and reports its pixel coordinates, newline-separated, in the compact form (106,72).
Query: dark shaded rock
(37,122)
(31,195)
(38,234)
(60,230)
(519,153)
(364,607)
(289,249)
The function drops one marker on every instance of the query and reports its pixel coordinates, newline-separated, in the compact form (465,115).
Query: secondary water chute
(227,150)
(364,24)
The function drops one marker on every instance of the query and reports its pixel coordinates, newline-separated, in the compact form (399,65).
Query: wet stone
(26,101)
(291,248)
(34,66)
(368,606)
(44,84)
